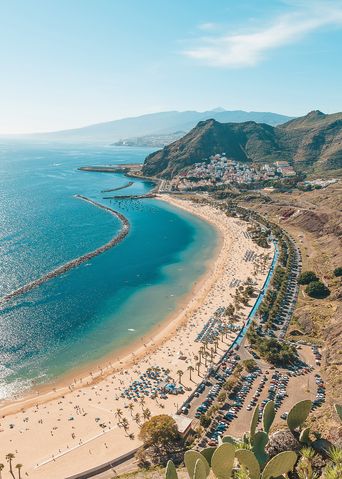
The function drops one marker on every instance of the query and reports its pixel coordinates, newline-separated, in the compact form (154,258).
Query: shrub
(250,365)
(317,289)
(307,277)
(338,271)
(205,421)
(160,433)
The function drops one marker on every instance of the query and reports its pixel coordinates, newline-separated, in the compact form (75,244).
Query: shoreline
(123,356)
(60,447)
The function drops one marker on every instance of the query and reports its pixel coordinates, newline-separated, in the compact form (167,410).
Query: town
(219,170)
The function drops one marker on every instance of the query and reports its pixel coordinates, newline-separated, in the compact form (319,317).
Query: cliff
(312,142)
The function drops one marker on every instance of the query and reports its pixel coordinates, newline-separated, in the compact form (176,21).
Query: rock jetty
(125,226)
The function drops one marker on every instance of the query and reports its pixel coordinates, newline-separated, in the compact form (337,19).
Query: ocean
(105,304)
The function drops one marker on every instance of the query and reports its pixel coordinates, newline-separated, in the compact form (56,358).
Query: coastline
(122,357)
(59,456)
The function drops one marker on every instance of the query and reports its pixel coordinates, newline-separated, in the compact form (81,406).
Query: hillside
(160,123)
(314,220)
(313,142)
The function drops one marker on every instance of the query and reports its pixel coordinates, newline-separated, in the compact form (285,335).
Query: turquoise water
(87,313)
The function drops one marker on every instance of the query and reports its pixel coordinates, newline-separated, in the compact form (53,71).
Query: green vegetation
(250,365)
(338,272)
(260,236)
(317,290)
(307,277)
(254,142)
(274,351)
(161,440)
(250,457)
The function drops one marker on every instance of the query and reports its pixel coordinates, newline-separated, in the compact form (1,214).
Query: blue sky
(69,63)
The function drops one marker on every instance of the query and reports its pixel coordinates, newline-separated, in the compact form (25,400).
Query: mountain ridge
(313,141)
(159,123)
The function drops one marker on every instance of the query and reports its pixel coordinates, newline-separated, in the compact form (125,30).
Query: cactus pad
(259,443)
(268,416)
(247,458)
(228,439)
(171,472)
(254,422)
(304,436)
(280,464)
(223,460)
(208,453)
(190,459)
(200,470)
(298,414)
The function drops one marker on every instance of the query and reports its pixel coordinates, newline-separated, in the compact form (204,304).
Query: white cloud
(248,49)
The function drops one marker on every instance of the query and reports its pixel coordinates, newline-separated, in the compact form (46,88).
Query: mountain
(312,142)
(162,123)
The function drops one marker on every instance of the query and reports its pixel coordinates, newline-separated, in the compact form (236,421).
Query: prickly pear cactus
(223,460)
(247,459)
(200,470)
(228,439)
(298,414)
(304,436)
(254,422)
(259,444)
(171,472)
(280,464)
(268,416)
(190,459)
(208,453)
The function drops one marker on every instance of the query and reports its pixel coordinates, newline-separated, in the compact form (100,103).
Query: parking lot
(284,386)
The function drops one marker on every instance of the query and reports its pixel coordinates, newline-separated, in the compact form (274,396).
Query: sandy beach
(78,424)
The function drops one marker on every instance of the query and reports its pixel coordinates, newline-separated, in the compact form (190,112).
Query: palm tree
(131,407)
(180,374)
(124,424)
(118,413)
(200,352)
(190,369)
(131,436)
(19,466)
(137,418)
(142,402)
(146,414)
(198,367)
(1,468)
(9,458)
(211,354)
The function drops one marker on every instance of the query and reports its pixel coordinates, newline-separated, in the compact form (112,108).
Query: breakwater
(130,197)
(125,226)
(127,185)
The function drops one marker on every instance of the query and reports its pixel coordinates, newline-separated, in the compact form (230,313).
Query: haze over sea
(102,305)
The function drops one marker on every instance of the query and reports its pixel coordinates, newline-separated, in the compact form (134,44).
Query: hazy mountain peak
(159,123)
(218,109)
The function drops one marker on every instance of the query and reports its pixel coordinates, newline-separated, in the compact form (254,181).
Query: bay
(105,304)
